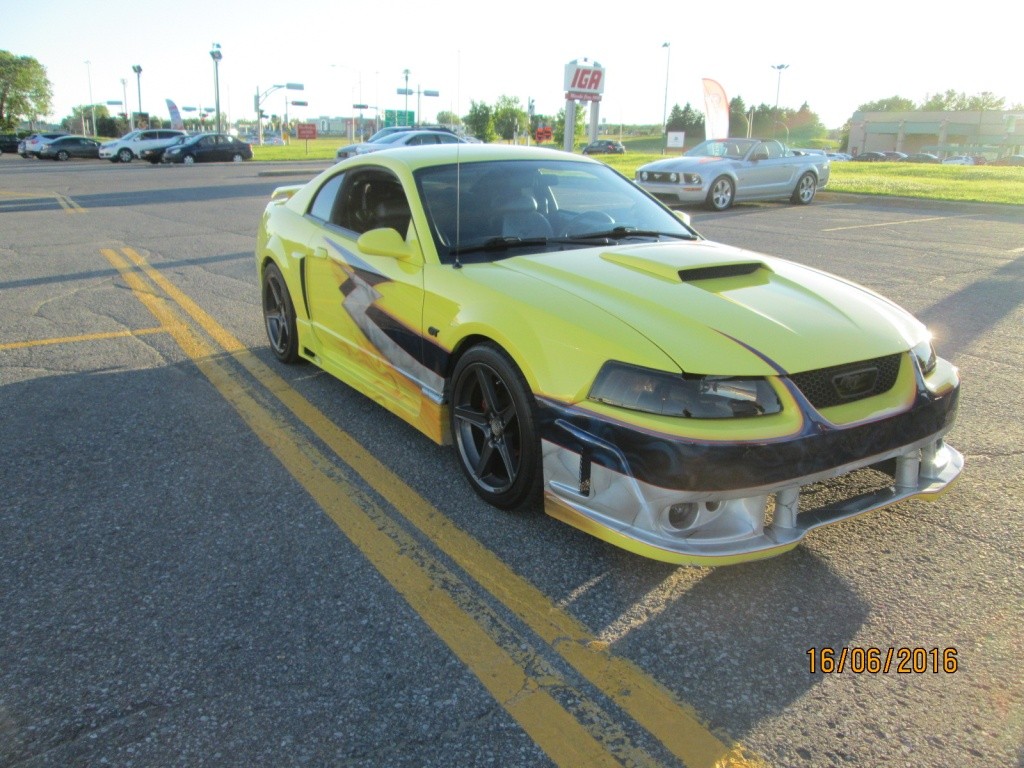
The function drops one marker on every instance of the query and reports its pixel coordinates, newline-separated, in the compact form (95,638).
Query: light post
(92,107)
(778,68)
(216,55)
(664,110)
(124,95)
(138,81)
(406,90)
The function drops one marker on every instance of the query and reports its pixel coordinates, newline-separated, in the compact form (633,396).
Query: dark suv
(9,143)
(604,147)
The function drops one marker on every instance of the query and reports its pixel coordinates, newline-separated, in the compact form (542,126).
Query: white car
(31,145)
(131,145)
(402,138)
(959,160)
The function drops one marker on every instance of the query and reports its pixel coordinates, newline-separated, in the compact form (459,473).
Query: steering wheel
(587,222)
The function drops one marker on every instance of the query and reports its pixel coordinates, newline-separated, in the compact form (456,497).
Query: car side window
(444,138)
(370,200)
(326,198)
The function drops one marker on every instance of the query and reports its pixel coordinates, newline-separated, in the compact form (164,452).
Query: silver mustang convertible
(719,172)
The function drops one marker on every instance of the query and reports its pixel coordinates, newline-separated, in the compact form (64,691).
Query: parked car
(9,143)
(154,155)
(895,157)
(1017,160)
(870,157)
(838,157)
(578,342)
(67,147)
(720,172)
(399,139)
(132,145)
(205,148)
(959,160)
(604,147)
(30,145)
(921,157)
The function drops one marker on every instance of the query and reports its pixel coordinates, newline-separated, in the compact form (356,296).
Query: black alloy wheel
(279,316)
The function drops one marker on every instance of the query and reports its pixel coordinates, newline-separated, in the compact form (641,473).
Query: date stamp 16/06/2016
(904,661)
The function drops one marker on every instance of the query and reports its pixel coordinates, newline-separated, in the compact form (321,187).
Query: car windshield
(491,210)
(722,148)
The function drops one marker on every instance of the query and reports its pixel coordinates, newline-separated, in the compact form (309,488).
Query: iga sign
(584,80)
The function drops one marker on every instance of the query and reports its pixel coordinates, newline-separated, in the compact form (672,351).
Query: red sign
(306,130)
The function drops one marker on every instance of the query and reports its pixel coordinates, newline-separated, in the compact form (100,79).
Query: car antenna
(458,164)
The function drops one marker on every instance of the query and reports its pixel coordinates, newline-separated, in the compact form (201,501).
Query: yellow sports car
(579,342)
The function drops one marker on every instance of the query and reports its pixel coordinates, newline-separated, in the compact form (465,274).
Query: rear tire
(805,189)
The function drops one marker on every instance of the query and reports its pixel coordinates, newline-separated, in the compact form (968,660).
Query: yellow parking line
(69,205)
(75,339)
(650,704)
(517,680)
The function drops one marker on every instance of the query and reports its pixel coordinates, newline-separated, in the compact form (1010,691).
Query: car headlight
(642,175)
(674,394)
(925,354)
(692,179)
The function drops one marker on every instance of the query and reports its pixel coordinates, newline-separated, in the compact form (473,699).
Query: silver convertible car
(719,172)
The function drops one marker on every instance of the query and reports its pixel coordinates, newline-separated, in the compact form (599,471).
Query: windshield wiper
(617,233)
(501,244)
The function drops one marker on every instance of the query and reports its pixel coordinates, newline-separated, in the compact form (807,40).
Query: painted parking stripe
(674,723)
(516,676)
(80,338)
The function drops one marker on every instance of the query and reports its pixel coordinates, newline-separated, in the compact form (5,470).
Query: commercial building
(988,132)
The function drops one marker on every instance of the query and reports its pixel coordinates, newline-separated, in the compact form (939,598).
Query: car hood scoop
(675,271)
(704,301)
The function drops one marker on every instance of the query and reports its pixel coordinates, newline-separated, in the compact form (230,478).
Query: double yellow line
(557,709)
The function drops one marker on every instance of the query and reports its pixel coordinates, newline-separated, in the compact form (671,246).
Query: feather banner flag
(716,111)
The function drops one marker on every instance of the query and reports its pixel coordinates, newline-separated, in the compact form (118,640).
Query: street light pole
(664,111)
(92,107)
(138,80)
(778,68)
(124,93)
(216,55)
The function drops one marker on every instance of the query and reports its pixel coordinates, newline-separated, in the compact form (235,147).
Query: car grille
(848,383)
(661,177)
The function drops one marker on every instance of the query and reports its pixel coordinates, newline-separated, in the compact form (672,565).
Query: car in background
(895,157)
(959,160)
(154,155)
(207,148)
(838,157)
(604,147)
(870,157)
(404,138)
(578,343)
(1013,160)
(9,143)
(132,145)
(922,157)
(719,172)
(30,145)
(67,147)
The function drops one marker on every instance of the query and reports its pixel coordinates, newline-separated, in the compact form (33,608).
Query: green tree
(25,91)
(448,118)
(80,119)
(558,132)
(510,119)
(480,122)
(738,119)
(891,104)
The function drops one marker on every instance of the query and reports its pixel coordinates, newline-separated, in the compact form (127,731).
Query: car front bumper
(675,194)
(717,503)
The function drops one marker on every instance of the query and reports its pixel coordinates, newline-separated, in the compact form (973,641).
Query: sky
(838,55)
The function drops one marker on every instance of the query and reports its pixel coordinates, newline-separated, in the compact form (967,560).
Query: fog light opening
(679,517)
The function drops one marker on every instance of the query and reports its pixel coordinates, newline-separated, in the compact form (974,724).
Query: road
(207,558)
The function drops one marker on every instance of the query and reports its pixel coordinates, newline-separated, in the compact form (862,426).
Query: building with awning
(987,132)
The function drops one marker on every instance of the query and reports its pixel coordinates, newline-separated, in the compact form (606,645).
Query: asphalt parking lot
(210,559)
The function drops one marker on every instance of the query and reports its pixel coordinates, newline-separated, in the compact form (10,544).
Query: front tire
(721,194)
(237,158)
(188,160)
(62,155)
(493,422)
(805,189)
(279,316)
(125,156)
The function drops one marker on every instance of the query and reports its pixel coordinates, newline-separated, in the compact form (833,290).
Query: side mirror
(385,242)
(684,217)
